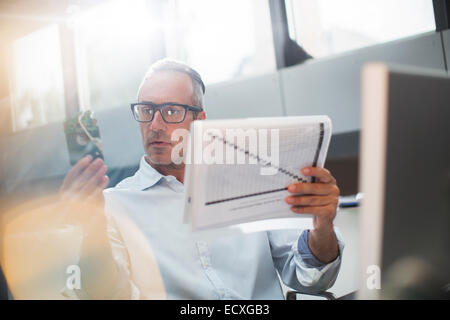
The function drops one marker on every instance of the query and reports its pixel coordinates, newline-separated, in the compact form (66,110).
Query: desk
(347,221)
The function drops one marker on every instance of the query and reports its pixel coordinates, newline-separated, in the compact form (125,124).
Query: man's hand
(321,200)
(85,181)
(82,195)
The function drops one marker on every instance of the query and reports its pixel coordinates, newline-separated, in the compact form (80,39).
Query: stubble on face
(157,136)
(160,154)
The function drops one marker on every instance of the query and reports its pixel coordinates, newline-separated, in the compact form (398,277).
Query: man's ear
(201,115)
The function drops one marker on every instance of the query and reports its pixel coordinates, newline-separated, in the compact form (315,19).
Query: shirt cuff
(306,254)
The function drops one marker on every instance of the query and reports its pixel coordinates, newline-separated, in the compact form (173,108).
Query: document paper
(228,192)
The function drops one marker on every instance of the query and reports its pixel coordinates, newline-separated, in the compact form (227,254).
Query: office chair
(292,295)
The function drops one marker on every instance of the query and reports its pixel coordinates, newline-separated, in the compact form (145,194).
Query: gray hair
(178,66)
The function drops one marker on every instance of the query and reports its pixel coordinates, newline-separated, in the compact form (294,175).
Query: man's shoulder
(130,183)
(118,196)
(127,183)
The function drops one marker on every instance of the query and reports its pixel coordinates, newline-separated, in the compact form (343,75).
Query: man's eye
(171,112)
(147,110)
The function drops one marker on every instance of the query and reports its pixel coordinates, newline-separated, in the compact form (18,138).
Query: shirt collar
(149,176)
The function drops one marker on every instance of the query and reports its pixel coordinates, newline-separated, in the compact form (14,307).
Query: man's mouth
(159,143)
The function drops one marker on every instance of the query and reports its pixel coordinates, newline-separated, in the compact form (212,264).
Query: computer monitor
(405,178)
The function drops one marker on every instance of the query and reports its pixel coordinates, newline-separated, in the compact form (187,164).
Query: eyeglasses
(170,112)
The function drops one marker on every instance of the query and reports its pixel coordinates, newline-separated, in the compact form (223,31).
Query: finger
(322,174)
(97,194)
(102,183)
(95,181)
(317,210)
(89,172)
(96,197)
(76,170)
(310,200)
(105,181)
(313,188)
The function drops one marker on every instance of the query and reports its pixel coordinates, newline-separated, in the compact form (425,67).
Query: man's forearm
(323,244)
(98,268)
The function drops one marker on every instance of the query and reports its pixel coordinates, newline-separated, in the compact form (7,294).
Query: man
(192,266)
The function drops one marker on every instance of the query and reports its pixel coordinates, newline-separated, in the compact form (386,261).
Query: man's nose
(158,123)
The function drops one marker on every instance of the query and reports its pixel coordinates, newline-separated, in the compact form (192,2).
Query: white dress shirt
(147,234)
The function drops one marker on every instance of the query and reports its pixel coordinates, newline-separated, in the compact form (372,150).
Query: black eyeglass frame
(157,107)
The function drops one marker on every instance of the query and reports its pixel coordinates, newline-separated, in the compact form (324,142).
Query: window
(222,40)
(116,41)
(37,94)
(325,27)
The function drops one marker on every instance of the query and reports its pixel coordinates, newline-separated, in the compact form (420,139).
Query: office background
(260,58)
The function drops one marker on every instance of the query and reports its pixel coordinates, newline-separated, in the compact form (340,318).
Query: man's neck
(169,169)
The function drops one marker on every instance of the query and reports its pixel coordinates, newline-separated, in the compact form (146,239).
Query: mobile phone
(83,137)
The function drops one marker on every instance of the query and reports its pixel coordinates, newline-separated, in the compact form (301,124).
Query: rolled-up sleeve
(297,267)
(124,288)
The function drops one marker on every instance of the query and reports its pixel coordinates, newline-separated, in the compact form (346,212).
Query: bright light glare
(381,20)
(116,42)
(36,82)
(326,27)
(117,18)
(221,39)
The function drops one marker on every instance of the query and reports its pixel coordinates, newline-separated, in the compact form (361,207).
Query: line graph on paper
(234,182)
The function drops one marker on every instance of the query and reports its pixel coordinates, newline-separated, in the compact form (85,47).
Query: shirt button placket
(210,273)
